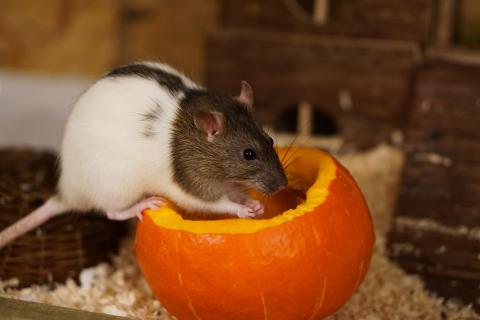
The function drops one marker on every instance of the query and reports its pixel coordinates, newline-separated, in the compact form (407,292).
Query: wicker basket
(60,248)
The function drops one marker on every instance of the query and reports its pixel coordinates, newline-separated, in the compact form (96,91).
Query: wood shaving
(386,293)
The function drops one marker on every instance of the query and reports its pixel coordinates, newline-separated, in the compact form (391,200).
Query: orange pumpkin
(301,264)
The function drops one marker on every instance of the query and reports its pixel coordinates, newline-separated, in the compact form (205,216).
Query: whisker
(290,161)
(305,123)
(286,155)
(289,148)
(287,161)
(289,156)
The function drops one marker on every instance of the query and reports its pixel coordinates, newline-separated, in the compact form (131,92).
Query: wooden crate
(436,231)
(394,19)
(363,84)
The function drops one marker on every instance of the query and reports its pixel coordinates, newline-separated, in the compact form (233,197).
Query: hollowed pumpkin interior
(310,173)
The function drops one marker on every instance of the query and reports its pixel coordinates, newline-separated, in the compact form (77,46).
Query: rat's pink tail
(52,207)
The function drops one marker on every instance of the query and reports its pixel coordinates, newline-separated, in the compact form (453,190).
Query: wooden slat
(320,12)
(393,19)
(463,55)
(427,173)
(12,309)
(450,287)
(445,23)
(445,257)
(453,249)
(448,99)
(459,147)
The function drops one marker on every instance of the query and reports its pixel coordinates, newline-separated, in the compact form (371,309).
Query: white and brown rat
(145,131)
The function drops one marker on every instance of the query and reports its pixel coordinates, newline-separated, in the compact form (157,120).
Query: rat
(145,132)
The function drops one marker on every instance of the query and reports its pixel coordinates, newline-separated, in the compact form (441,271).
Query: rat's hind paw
(152,203)
(251,209)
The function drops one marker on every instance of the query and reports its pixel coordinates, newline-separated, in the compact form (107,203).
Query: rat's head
(228,145)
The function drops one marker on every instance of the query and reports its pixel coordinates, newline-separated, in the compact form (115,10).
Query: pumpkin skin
(302,264)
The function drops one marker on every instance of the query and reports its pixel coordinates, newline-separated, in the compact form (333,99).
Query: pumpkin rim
(324,168)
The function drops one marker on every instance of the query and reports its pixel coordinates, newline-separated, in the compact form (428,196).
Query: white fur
(106,161)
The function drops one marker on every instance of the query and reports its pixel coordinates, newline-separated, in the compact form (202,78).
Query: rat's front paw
(255,206)
(251,209)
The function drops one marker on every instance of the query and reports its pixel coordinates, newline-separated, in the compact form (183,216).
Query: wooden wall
(88,37)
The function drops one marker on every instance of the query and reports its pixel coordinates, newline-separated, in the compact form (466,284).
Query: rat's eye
(271,141)
(249,154)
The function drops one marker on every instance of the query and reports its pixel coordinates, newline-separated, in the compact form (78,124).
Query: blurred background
(51,50)
(350,62)
(346,75)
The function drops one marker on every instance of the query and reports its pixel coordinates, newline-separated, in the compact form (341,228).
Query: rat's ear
(246,95)
(210,122)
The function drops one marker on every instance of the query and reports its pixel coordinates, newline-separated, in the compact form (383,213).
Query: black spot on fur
(171,81)
(149,117)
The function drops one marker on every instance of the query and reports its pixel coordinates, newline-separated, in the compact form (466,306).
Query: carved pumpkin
(303,263)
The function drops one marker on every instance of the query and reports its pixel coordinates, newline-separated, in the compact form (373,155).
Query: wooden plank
(445,112)
(305,119)
(438,70)
(442,122)
(394,19)
(445,23)
(320,12)
(455,54)
(446,193)
(450,287)
(421,170)
(438,203)
(12,309)
(451,249)
(458,147)
(445,257)
(447,100)
(445,212)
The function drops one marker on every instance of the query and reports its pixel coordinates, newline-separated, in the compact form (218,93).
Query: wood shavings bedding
(386,293)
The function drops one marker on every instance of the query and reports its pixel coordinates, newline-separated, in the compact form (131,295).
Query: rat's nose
(281,183)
